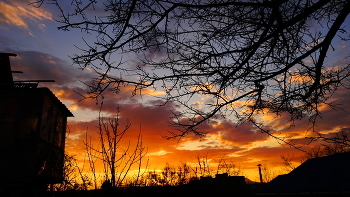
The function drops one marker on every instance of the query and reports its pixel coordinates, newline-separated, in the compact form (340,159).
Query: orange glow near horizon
(175,153)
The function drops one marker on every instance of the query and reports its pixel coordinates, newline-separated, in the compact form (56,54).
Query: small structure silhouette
(222,183)
(260,175)
(32,132)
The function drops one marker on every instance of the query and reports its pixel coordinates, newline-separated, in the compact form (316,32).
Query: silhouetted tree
(331,143)
(73,177)
(69,174)
(245,57)
(203,168)
(117,160)
(170,176)
(268,174)
(325,150)
(227,165)
(288,164)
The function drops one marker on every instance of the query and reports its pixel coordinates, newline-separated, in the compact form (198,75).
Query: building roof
(27,93)
(68,113)
(323,174)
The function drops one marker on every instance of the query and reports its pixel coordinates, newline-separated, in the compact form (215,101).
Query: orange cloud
(20,14)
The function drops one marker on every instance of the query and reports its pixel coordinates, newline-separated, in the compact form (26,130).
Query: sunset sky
(43,53)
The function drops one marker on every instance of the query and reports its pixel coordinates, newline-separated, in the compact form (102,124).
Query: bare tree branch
(269,55)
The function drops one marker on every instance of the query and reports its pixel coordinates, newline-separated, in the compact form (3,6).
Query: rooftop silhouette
(329,174)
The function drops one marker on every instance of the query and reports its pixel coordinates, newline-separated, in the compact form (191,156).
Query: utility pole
(259,166)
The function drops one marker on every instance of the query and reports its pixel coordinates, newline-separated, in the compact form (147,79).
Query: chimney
(6,79)
(260,175)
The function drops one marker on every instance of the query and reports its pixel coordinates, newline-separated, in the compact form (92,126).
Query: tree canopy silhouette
(243,57)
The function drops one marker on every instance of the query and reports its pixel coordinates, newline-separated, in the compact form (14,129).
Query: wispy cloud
(20,14)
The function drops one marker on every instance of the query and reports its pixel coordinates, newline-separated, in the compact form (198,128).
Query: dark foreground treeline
(189,190)
(183,191)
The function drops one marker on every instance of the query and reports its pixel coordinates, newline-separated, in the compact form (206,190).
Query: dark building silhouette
(222,184)
(32,131)
(327,175)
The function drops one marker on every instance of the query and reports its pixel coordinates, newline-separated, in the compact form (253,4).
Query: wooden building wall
(32,135)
